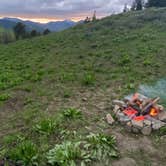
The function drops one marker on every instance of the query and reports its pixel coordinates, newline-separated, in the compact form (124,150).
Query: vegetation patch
(88,79)
(25,153)
(4,97)
(68,153)
(46,126)
(72,113)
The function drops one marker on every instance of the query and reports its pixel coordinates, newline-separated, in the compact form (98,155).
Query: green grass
(25,153)
(100,61)
(72,113)
(46,126)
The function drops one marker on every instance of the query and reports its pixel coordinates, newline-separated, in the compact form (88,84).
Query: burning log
(148,108)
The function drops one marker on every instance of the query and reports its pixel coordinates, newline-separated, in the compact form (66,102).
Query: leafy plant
(14,138)
(46,126)
(103,146)
(125,59)
(72,113)
(26,154)
(88,79)
(3,152)
(147,62)
(4,97)
(67,154)
(66,76)
(162,131)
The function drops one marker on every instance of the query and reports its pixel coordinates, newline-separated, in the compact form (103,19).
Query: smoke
(156,90)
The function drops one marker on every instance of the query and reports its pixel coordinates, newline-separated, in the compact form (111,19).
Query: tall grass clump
(72,113)
(46,126)
(68,154)
(25,154)
(102,147)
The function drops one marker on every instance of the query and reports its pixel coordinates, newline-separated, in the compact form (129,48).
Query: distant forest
(18,32)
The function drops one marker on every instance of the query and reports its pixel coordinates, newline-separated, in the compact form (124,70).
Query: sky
(53,10)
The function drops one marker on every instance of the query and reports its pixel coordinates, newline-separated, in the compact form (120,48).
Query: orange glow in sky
(42,20)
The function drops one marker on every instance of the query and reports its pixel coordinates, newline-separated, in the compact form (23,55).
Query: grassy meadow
(55,91)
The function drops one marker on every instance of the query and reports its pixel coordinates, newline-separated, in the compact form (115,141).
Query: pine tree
(139,4)
(125,8)
(133,7)
(156,3)
(19,30)
(87,20)
(94,16)
(46,32)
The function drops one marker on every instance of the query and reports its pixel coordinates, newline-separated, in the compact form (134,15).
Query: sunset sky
(53,10)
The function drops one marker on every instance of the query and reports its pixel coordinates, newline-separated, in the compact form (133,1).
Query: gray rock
(122,117)
(157,124)
(137,124)
(84,99)
(162,116)
(109,119)
(135,130)
(116,109)
(146,130)
(147,122)
(119,103)
(128,126)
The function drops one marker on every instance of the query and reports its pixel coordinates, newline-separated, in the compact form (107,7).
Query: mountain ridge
(9,23)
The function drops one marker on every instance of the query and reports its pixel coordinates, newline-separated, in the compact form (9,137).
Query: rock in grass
(147,122)
(135,130)
(109,119)
(119,103)
(116,109)
(162,116)
(146,130)
(137,124)
(128,126)
(157,125)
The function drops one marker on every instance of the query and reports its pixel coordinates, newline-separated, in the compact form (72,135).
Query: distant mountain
(59,25)
(9,23)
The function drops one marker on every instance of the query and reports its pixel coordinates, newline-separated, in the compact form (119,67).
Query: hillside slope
(84,67)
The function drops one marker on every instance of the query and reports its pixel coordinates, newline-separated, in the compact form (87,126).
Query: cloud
(62,9)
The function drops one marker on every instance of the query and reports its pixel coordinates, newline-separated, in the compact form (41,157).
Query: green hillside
(57,89)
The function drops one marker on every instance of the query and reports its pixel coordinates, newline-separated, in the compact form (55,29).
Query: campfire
(139,113)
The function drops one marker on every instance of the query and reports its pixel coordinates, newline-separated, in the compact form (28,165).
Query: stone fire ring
(145,126)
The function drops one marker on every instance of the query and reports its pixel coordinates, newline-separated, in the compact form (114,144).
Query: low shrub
(4,97)
(102,147)
(72,113)
(88,79)
(25,154)
(46,126)
(67,154)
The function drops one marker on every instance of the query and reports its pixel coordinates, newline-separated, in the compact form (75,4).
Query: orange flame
(153,112)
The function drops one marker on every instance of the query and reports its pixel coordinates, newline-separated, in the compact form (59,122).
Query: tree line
(19,31)
(141,4)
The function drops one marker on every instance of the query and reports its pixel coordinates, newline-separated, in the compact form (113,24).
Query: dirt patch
(15,103)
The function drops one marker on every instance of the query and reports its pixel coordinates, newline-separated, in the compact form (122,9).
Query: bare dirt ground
(134,150)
